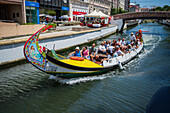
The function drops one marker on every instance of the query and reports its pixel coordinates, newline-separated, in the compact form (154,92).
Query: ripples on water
(25,89)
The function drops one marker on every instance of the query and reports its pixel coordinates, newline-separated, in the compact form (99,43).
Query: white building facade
(77,8)
(100,5)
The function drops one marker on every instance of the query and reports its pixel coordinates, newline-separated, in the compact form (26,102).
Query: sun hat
(77,48)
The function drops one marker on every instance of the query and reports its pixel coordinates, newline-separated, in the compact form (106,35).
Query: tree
(166,8)
(158,8)
(50,12)
(113,11)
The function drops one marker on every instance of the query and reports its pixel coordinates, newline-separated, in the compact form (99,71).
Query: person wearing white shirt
(123,43)
(102,48)
(111,49)
(119,41)
(132,37)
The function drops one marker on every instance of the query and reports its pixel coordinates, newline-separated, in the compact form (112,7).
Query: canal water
(24,89)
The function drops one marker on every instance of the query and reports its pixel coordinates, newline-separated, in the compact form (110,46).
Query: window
(17,14)
(13,15)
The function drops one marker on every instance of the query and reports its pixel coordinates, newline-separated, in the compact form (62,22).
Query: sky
(150,3)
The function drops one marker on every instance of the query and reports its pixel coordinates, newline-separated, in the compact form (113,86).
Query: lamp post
(117,6)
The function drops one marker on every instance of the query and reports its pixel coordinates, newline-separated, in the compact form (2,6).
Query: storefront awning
(96,14)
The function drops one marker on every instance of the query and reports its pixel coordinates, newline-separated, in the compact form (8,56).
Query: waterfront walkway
(13,51)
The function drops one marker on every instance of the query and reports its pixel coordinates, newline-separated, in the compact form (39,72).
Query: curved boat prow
(33,52)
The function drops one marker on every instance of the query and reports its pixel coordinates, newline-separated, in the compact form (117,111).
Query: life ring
(136,35)
(77,58)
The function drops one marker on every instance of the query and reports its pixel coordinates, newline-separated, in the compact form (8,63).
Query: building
(100,5)
(122,4)
(127,4)
(32,11)
(78,7)
(134,7)
(115,3)
(61,7)
(144,9)
(12,10)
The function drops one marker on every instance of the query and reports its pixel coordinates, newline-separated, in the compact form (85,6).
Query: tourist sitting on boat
(114,54)
(77,52)
(123,43)
(85,53)
(128,48)
(105,44)
(132,37)
(137,43)
(111,49)
(92,51)
(102,48)
(109,42)
(122,48)
(118,51)
(119,41)
(98,60)
(114,41)
(108,55)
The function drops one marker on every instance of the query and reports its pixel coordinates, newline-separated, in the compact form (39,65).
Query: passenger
(77,52)
(111,48)
(123,43)
(92,51)
(102,48)
(98,60)
(110,43)
(132,37)
(107,44)
(108,55)
(119,41)
(122,48)
(137,43)
(114,54)
(114,41)
(118,51)
(85,53)
(128,49)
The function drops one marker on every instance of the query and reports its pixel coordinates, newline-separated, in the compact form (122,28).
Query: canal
(24,89)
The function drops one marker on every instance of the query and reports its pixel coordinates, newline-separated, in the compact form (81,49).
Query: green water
(24,89)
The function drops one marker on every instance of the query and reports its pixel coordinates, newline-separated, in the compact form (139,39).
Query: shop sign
(79,13)
(31,4)
(65,8)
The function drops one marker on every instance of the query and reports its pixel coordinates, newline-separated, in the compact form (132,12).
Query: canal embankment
(11,50)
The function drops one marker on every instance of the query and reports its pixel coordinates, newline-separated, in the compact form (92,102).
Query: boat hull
(50,62)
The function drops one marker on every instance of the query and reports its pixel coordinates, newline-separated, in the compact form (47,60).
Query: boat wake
(151,41)
(73,81)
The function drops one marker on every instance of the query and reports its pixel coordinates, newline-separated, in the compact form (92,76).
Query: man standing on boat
(132,37)
(139,35)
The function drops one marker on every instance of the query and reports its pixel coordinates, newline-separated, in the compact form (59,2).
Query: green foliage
(164,8)
(114,11)
(49,12)
(28,23)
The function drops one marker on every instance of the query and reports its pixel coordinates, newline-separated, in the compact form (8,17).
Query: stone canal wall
(14,52)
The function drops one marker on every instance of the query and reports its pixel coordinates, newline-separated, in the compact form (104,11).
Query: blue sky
(149,3)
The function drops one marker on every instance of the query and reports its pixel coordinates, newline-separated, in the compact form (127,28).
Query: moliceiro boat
(50,62)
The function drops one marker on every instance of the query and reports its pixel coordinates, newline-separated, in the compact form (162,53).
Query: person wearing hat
(77,52)
(139,35)
(132,37)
